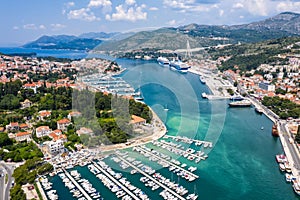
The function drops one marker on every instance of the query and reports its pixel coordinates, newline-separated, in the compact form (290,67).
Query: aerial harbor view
(140,100)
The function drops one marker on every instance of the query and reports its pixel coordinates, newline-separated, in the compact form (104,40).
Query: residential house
(84,130)
(42,131)
(22,136)
(26,104)
(63,124)
(12,126)
(43,114)
(137,121)
(74,114)
(30,86)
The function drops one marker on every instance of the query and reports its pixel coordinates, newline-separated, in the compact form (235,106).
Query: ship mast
(188,53)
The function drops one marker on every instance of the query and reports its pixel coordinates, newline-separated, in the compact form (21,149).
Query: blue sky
(24,21)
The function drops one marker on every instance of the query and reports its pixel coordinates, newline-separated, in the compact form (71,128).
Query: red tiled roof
(63,121)
(22,134)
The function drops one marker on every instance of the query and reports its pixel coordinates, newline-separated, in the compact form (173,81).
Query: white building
(266,86)
(42,131)
(63,124)
(22,136)
(55,147)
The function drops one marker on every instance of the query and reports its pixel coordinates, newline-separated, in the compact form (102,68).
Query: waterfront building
(55,147)
(137,121)
(266,86)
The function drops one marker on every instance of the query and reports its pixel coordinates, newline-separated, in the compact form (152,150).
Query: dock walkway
(151,178)
(170,163)
(77,185)
(180,150)
(189,139)
(116,181)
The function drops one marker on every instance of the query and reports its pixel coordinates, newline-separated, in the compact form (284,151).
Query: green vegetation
(27,174)
(250,56)
(20,151)
(284,108)
(16,193)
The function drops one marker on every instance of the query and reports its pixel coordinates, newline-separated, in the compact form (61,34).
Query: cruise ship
(163,61)
(243,103)
(179,66)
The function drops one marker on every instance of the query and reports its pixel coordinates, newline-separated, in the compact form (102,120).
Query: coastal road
(2,183)
(293,151)
(8,185)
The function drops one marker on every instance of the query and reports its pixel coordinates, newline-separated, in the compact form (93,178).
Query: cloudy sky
(23,21)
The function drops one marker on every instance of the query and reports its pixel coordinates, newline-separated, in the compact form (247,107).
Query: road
(8,185)
(2,182)
(293,151)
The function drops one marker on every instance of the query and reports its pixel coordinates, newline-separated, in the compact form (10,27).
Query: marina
(231,149)
(150,177)
(113,85)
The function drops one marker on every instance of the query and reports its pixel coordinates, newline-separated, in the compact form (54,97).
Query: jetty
(115,181)
(188,140)
(150,177)
(180,151)
(77,185)
(168,162)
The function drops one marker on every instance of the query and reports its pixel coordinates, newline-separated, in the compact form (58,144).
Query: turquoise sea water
(242,163)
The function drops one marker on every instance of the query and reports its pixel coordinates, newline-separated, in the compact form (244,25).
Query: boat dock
(77,185)
(181,151)
(150,177)
(116,181)
(188,140)
(168,162)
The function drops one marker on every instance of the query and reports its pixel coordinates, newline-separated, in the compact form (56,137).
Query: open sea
(241,164)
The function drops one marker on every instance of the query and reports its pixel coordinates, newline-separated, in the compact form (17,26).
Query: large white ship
(179,66)
(163,61)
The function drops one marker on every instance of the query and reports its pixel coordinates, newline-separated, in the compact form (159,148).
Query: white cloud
(30,26)
(57,26)
(131,14)
(238,5)
(70,4)
(189,5)
(172,22)
(153,8)
(16,28)
(42,27)
(221,13)
(34,27)
(130,2)
(83,14)
(99,3)
(288,6)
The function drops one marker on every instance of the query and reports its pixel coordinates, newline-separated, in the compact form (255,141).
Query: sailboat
(166,108)
(139,96)
(193,196)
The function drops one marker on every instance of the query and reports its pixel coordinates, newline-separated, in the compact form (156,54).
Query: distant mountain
(63,42)
(98,35)
(164,38)
(282,25)
(287,21)
(85,41)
